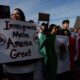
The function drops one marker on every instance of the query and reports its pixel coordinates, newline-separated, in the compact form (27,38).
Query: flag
(72,52)
(79,48)
(47,49)
(42,41)
(52,60)
(38,74)
(75,43)
(61,47)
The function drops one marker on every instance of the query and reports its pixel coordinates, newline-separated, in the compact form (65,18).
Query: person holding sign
(18,15)
(22,70)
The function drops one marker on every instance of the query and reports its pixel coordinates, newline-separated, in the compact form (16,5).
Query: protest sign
(18,41)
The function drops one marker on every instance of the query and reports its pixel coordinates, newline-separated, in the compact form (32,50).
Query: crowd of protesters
(48,50)
(46,40)
(25,70)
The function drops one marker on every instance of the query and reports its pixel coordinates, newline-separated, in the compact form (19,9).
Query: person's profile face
(43,28)
(53,30)
(75,30)
(65,25)
(15,15)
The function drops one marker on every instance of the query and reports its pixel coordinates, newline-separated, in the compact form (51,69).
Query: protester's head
(18,14)
(52,29)
(31,21)
(75,30)
(58,29)
(44,26)
(78,30)
(65,24)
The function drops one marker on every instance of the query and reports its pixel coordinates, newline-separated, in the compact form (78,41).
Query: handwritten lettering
(20,35)
(18,43)
(15,54)
(18,26)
